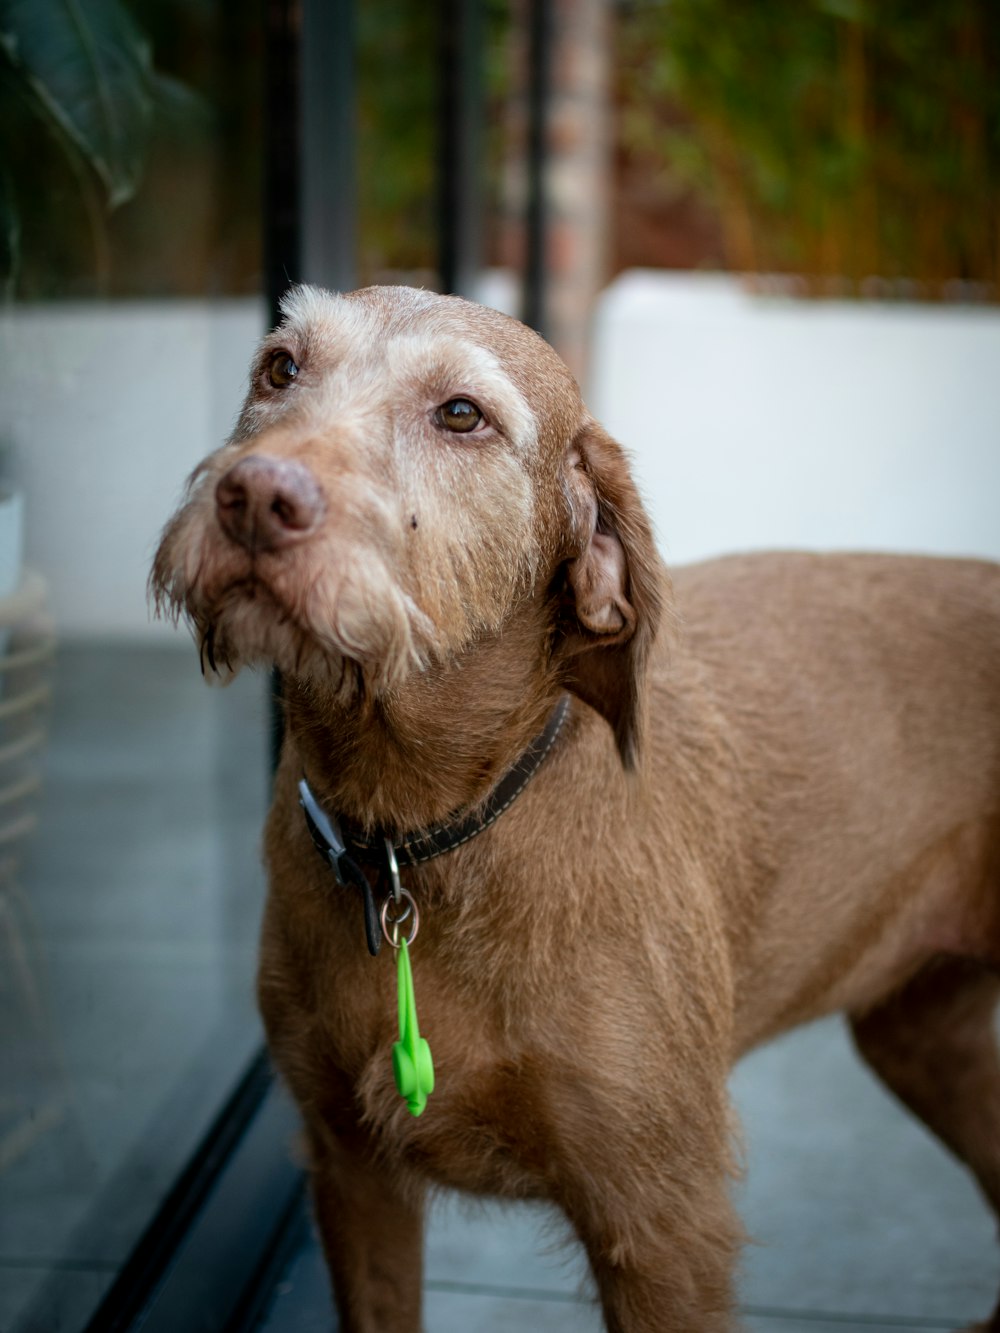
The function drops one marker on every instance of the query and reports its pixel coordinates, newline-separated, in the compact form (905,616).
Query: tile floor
(861,1223)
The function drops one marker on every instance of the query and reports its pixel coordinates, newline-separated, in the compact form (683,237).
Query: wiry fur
(781,800)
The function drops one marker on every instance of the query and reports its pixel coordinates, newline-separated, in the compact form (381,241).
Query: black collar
(346,851)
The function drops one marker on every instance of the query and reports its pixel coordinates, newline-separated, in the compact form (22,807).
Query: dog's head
(409,470)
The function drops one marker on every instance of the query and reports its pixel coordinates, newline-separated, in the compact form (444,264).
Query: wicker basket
(27,646)
(35,1098)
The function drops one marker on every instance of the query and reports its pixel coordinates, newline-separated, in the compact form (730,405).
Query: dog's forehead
(409,330)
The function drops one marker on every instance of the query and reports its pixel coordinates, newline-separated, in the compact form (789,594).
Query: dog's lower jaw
(295,652)
(249,623)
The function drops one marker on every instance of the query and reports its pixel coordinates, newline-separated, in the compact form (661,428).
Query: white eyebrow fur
(336,324)
(472,369)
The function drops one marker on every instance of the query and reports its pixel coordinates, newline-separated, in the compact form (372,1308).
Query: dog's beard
(247,627)
(343,622)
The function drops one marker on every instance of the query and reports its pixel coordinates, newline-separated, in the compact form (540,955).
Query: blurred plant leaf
(88,68)
(178,109)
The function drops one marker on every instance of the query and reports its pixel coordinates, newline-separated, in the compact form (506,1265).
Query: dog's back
(860,695)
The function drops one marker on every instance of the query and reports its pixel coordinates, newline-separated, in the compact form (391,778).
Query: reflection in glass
(131,796)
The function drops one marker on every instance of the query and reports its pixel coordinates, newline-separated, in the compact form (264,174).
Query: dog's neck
(412,758)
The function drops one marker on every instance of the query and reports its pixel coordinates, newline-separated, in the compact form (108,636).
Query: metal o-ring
(390,929)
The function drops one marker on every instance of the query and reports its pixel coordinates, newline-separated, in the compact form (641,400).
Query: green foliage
(842,139)
(118,180)
(87,70)
(79,101)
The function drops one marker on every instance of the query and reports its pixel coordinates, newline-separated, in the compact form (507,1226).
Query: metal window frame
(459,144)
(222,1220)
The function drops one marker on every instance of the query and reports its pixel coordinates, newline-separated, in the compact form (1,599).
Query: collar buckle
(329,841)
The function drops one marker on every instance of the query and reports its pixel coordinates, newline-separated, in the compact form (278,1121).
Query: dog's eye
(281,370)
(459,415)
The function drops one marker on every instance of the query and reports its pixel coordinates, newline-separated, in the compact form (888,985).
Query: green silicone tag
(412,1065)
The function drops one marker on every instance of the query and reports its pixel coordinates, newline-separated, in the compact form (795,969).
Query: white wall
(760,422)
(108,407)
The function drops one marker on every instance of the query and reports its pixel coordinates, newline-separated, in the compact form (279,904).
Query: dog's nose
(266,503)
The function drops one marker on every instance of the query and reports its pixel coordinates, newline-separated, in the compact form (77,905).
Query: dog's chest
(486,1128)
(488,1125)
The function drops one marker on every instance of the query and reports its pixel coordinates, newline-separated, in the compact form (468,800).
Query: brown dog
(778,800)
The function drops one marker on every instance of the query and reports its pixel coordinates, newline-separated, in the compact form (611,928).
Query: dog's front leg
(372,1234)
(638,1301)
(663,1259)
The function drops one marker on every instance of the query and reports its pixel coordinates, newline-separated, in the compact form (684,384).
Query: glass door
(131,796)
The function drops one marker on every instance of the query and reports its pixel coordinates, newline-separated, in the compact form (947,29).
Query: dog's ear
(612,589)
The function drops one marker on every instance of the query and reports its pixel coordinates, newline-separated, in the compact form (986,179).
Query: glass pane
(131,796)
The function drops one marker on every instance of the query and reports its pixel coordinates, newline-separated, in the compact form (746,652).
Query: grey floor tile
(486,1267)
(300,1302)
(31,1302)
(466,1312)
(524,1246)
(781,1323)
(855,1208)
